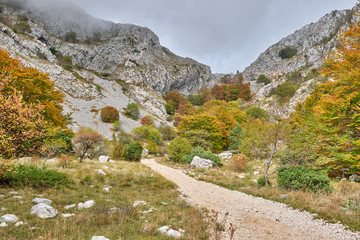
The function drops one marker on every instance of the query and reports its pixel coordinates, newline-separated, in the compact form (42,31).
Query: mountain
(294,62)
(97,63)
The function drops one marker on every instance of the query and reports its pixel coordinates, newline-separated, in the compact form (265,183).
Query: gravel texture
(254,217)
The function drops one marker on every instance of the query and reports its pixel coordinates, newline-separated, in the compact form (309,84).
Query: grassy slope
(130,182)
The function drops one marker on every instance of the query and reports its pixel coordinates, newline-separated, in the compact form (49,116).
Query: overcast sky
(227,35)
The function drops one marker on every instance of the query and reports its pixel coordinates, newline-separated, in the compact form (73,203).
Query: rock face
(312,43)
(199,162)
(42,210)
(112,64)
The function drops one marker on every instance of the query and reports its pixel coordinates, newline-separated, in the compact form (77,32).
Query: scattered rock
(41,200)
(99,238)
(256,173)
(105,167)
(170,232)
(1,196)
(87,204)
(3,209)
(106,189)
(145,153)
(164,203)
(101,172)
(42,210)
(3,224)
(70,206)
(67,215)
(18,224)
(149,211)
(199,162)
(343,179)
(9,218)
(354,178)
(18,197)
(241,177)
(13,193)
(226,155)
(137,203)
(38,195)
(111,161)
(104,159)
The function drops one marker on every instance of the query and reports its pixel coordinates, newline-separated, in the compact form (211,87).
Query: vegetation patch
(288,52)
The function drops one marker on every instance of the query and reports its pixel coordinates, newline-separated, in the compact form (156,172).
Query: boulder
(145,153)
(3,224)
(104,159)
(101,172)
(9,218)
(87,204)
(354,178)
(18,224)
(174,233)
(41,200)
(226,155)
(164,229)
(42,210)
(199,162)
(70,206)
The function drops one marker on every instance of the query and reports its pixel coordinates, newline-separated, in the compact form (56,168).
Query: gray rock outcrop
(199,162)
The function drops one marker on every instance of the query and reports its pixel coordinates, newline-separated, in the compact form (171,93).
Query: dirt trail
(255,218)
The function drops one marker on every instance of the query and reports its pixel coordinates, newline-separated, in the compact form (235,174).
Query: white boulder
(41,200)
(18,224)
(3,224)
(9,218)
(99,238)
(104,159)
(87,204)
(43,210)
(199,162)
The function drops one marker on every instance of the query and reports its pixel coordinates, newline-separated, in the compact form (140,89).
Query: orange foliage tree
(35,87)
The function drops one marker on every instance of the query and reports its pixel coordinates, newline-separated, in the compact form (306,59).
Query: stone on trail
(9,218)
(42,210)
(199,162)
(41,200)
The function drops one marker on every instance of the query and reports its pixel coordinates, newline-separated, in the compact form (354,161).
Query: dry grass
(129,182)
(342,205)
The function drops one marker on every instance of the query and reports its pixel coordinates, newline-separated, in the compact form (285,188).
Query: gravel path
(255,218)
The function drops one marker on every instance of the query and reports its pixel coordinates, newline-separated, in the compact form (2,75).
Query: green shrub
(53,50)
(147,134)
(71,37)
(23,27)
(263,79)
(199,138)
(257,112)
(302,178)
(262,181)
(285,91)
(167,132)
(68,64)
(132,111)
(203,154)
(133,151)
(178,148)
(288,52)
(153,148)
(109,114)
(32,176)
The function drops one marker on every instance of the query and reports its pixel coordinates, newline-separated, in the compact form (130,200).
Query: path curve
(254,217)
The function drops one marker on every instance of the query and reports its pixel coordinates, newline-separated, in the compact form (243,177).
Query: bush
(178,148)
(109,114)
(257,112)
(147,120)
(302,178)
(288,52)
(285,91)
(132,111)
(263,79)
(23,27)
(147,134)
(262,181)
(133,151)
(35,177)
(87,141)
(239,162)
(203,154)
(71,37)
(167,132)
(153,148)
(199,138)
(68,64)
(65,160)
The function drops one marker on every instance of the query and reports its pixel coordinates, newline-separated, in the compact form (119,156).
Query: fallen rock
(87,204)
(13,193)
(67,215)
(70,206)
(41,200)
(164,229)
(104,159)
(1,196)
(18,224)
(42,210)
(354,178)
(18,197)
(9,218)
(106,189)
(3,224)
(149,211)
(101,172)
(199,162)
(99,238)
(174,233)
(145,153)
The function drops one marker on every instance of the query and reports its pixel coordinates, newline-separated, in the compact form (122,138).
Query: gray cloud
(226,34)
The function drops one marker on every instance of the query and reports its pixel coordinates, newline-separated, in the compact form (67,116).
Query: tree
(178,148)
(109,114)
(22,128)
(235,137)
(134,151)
(35,88)
(218,92)
(86,140)
(71,37)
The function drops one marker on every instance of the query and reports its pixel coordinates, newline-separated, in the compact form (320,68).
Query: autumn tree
(86,140)
(35,87)
(218,92)
(333,110)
